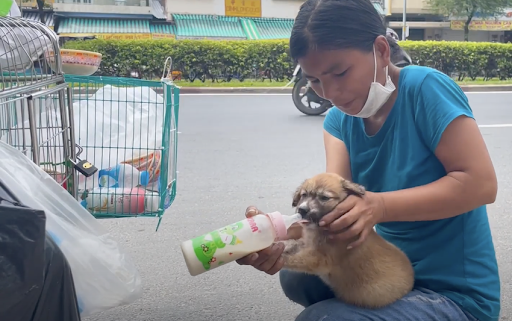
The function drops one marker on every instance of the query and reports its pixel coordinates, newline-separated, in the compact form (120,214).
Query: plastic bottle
(121,201)
(164,192)
(122,176)
(235,241)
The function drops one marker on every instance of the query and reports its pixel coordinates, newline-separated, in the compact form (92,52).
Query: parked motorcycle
(308,102)
(305,99)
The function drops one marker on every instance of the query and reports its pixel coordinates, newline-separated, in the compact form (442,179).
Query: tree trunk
(466,24)
(466,30)
(40,7)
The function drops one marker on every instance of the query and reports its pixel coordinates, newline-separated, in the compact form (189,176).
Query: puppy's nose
(303,209)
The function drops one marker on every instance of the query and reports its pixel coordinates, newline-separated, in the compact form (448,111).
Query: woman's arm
(336,156)
(445,123)
(470,181)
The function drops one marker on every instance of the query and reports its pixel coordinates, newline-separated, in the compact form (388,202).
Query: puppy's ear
(296,196)
(353,188)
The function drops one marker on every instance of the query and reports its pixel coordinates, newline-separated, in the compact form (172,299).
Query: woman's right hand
(268,260)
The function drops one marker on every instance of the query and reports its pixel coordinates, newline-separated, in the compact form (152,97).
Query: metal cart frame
(32,86)
(38,117)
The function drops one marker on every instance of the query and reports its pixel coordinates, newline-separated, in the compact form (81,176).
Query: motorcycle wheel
(306,108)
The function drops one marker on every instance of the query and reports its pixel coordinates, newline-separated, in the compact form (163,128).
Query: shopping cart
(130,123)
(32,82)
(77,127)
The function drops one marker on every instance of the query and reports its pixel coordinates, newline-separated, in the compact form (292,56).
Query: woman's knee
(419,304)
(326,310)
(304,289)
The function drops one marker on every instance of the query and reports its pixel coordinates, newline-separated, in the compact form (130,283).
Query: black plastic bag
(36,283)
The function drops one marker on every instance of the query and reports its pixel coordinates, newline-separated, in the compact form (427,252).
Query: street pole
(404,19)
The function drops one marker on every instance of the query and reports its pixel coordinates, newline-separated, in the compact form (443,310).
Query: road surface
(240,150)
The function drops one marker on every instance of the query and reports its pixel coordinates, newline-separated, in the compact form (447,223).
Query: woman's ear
(382,50)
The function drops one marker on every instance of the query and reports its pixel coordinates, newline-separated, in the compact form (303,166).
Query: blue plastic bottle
(122,176)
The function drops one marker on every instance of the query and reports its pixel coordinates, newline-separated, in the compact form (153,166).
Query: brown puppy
(372,275)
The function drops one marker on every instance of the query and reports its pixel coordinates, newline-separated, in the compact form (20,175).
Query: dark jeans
(320,304)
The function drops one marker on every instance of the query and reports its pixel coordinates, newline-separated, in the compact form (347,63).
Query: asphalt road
(242,150)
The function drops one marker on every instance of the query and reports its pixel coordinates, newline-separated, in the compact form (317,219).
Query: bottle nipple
(290,219)
(282,222)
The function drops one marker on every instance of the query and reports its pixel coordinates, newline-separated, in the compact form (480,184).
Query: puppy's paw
(299,257)
(292,247)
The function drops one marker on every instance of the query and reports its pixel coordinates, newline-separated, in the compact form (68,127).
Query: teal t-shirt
(454,257)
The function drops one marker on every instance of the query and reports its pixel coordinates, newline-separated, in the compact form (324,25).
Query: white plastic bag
(15,10)
(103,273)
(20,46)
(114,125)
(117,124)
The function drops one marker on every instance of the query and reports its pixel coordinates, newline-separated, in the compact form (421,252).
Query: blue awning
(99,26)
(163,29)
(35,16)
(208,26)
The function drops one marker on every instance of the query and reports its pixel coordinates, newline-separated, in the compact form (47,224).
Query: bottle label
(219,247)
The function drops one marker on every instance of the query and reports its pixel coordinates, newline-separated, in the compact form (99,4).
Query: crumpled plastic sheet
(104,275)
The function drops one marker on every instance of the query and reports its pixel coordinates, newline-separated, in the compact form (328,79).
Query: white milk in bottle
(235,241)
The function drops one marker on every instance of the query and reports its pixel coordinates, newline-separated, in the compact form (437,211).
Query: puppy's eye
(324,198)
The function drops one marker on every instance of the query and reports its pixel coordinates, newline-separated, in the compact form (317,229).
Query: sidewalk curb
(485,88)
(236,90)
(288,90)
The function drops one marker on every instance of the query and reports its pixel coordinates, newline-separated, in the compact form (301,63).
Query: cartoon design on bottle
(206,245)
(224,245)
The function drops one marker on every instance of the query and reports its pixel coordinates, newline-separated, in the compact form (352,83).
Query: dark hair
(335,24)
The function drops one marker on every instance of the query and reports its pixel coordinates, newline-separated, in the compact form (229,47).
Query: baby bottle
(122,175)
(235,241)
(121,201)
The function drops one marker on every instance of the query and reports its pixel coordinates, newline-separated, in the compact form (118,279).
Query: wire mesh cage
(127,128)
(29,55)
(34,98)
(37,124)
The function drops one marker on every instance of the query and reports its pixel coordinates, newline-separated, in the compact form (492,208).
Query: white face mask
(378,94)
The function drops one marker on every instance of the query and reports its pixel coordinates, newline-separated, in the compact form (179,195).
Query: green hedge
(465,59)
(224,60)
(242,59)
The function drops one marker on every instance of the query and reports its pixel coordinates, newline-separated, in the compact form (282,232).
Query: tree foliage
(469,9)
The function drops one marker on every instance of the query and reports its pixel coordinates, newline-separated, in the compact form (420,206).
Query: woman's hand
(354,218)
(269,260)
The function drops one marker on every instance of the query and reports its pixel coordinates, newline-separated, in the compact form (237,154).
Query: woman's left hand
(354,218)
